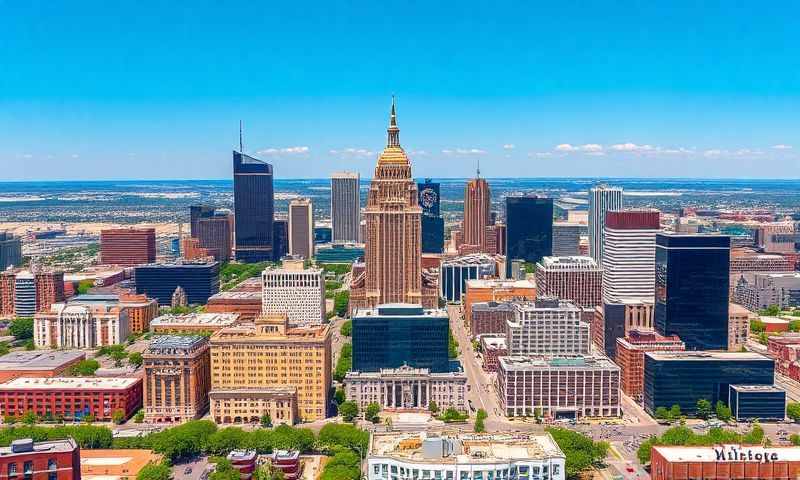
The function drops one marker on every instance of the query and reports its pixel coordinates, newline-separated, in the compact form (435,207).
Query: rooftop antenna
(241,143)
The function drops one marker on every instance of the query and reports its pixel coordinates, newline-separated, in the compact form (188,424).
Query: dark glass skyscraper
(280,238)
(254,208)
(432,221)
(529,229)
(692,277)
(393,335)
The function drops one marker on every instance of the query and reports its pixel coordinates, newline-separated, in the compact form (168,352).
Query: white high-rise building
(602,199)
(547,327)
(345,206)
(629,259)
(296,291)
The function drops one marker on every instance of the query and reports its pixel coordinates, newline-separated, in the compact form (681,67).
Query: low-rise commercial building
(456,271)
(50,460)
(489,318)
(732,462)
(141,310)
(573,387)
(407,388)
(492,348)
(766,289)
(177,378)
(683,378)
(247,304)
(785,350)
(79,324)
(630,357)
(250,405)
(464,456)
(45,364)
(757,402)
(71,398)
(739,319)
(200,323)
(115,464)
(483,290)
(268,353)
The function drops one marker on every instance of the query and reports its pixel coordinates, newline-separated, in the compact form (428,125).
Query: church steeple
(393,131)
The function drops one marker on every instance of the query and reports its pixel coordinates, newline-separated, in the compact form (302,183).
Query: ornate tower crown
(393,131)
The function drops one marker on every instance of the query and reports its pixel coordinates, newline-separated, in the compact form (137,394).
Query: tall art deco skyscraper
(393,251)
(477,201)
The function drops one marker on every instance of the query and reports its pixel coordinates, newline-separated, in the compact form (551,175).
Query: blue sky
(102,90)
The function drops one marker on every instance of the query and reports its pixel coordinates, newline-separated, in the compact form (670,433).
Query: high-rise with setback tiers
(393,251)
(345,206)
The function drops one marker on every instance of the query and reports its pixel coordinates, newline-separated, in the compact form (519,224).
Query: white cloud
(509,146)
(591,147)
(74,155)
(781,146)
(299,150)
(352,152)
(463,151)
(27,155)
(715,152)
(419,153)
(540,154)
(631,147)
(565,147)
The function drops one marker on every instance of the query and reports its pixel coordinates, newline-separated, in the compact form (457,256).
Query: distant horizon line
(756,179)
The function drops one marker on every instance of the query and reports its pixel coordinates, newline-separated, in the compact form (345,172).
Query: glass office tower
(529,229)
(683,378)
(691,298)
(432,221)
(397,334)
(254,208)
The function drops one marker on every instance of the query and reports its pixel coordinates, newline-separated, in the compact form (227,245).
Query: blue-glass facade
(323,235)
(159,281)
(254,208)
(613,327)
(692,277)
(757,402)
(393,335)
(683,378)
(280,238)
(339,253)
(529,229)
(432,221)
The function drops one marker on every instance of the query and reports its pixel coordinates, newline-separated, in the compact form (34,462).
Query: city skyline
(534,91)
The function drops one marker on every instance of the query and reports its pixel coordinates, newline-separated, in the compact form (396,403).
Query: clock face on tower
(429,198)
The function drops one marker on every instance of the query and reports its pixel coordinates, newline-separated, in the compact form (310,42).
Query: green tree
(371,414)
(675,412)
(139,417)
(85,368)
(29,418)
(343,435)
(154,471)
(703,408)
(795,439)
(21,328)
(338,396)
(662,413)
(9,419)
(224,440)
(118,416)
(118,357)
(757,326)
(793,411)
(89,419)
(452,345)
(480,417)
(85,285)
(224,470)
(344,363)
(582,453)
(433,407)
(341,302)
(348,410)
(347,328)
(723,411)
(344,465)
(135,359)
(29,345)
(266,420)
(771,311)
(4,349)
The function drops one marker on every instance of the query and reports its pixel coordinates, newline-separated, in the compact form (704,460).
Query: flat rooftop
(471,259)
(469,448)
(54,446)
(39,360)
(494,342)
(581,362)
(112,464)
(196,319)
(757,388)
(709,454)
(498,283)
(69,383)
(706,356)
(169,342)
(236,295)
(574,261)
(399,310)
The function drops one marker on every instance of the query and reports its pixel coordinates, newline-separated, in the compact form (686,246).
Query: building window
(12,469)
(27,470)
(52,474)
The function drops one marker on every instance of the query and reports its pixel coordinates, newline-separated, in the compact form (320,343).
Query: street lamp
(361,462)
